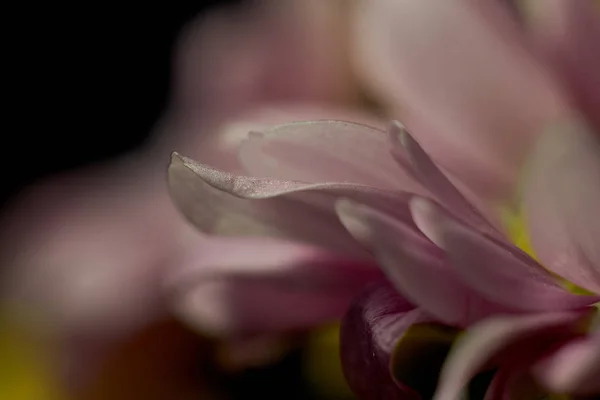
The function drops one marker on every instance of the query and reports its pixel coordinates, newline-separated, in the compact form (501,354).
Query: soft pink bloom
(561,193)
(455,268)
(475,83)
(463,78)
(477,90)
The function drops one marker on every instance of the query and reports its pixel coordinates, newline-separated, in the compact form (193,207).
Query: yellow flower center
(516,229)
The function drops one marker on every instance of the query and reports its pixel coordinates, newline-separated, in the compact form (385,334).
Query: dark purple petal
(371,330)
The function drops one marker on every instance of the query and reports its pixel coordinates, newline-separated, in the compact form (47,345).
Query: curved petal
(434,179)
(228,286)
(573,368)
(216,141)
(499,271)
(569,32)
(416,266)
(218,202)
(511,338)
(561,193)
(326,151)
(460,77)
(370,330)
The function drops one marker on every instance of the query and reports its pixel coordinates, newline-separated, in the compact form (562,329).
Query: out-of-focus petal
(228,286)
(569,32)
(326,151)
(573,368)
(499,272)
(218,202)
(518,338)
(85,251)
(561,197)
(236,57)
(438,64)
(416,266)
(370,330)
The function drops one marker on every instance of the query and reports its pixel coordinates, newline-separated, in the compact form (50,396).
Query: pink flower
(477,88)
(477,81)
(561,189)
(456,269)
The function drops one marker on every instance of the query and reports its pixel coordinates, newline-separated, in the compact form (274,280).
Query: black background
(85,83)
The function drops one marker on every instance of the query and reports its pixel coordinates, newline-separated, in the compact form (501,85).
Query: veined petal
(416,267)
(500,338)
(219,202)
(569,32)
(370,330)
(573,368)
(228,286)
(438,62)
(561,197)
(326,151)
(497,270)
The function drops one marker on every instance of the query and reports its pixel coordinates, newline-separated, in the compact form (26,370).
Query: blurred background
(90,92)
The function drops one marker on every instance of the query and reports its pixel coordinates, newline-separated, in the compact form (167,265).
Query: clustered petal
(355,199)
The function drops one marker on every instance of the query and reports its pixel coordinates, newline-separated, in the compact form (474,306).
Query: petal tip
(175,156)
(396,131)
(352,216)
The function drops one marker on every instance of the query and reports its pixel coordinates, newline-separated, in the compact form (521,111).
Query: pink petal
(569,32)
(216,141)
(561,194)
(85,251)
(326,151)
(497,270)
(573,368)
(234,58)
(218,202)
(433,179)
(229,286)
(495,337)
(370,330)
(460,77)
(416,266)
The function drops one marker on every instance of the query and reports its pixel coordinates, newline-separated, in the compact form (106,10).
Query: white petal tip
(351,215)
(422,206)
(396,131)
